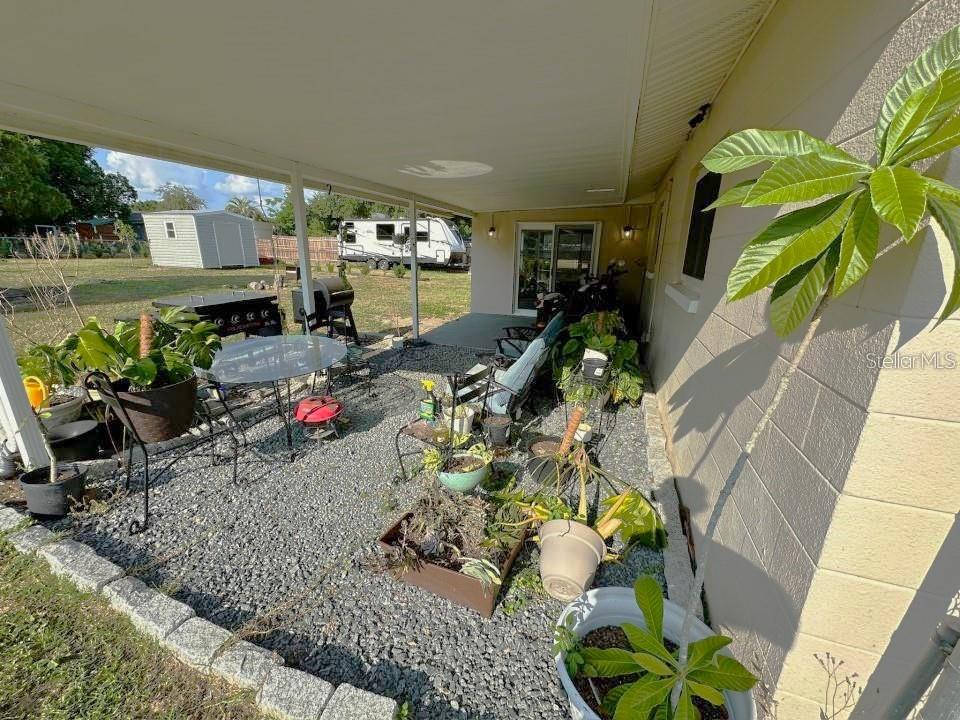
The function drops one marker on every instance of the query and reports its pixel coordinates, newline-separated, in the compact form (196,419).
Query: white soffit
(694,45)
(479,105)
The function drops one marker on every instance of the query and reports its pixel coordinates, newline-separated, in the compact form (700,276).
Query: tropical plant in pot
(459,470)
(48,369)
(150,363)
(595,335)
(617,654)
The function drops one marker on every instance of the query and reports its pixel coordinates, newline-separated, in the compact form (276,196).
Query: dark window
(385,231)
(422,235)
(349,233)
(701,225)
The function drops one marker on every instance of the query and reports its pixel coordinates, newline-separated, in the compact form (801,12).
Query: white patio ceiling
(469,105)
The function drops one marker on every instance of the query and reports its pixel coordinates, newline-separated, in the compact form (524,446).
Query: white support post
(414,272)
(303,243)
(19,420)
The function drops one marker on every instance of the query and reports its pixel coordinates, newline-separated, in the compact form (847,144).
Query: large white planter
(461,425)
(617,605)
(56,415)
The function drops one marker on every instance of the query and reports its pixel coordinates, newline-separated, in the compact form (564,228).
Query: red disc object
(318,410)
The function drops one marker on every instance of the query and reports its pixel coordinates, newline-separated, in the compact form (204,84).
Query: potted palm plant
(151,365)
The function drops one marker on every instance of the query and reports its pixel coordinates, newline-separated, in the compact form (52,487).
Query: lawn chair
(352,365)
(518,338)
(474,386)
(98,382)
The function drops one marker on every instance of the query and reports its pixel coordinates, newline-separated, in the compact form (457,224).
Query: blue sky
(216,188)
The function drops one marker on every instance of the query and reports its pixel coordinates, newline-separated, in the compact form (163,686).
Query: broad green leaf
(702,652)
(947,216)
(642,697)
(946,137)
(139,372)
(734,196)
(613,697)
(95,351)
(942,191)
(922,113)
(662,712)
(922,71)
(806,177)
(642,640)
(712,696)
(608,662)
(789,241)
(858,248)
(899,197)
(749,147)
(796,293)
(653,665)
(685,709)
(649,598)
(726,674)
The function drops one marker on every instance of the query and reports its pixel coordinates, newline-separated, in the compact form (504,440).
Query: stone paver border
(280,691)
(676,562)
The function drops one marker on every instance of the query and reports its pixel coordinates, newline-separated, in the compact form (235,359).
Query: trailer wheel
(372,264)
(384,265)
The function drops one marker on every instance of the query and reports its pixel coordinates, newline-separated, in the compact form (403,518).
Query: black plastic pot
(498,429)
(543,470)
(52,499)
(595,369)
(74,441)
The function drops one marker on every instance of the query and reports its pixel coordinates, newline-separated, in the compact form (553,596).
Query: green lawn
(111,288)
(66,655)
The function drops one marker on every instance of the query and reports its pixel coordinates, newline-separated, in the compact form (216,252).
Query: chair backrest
(552,331)
(518,376)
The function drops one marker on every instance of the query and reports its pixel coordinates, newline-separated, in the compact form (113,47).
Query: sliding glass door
(553,257)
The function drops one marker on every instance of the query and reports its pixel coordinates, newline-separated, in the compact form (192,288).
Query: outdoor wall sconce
(627,232)
(492,231)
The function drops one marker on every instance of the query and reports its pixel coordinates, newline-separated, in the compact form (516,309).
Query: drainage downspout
(944,700)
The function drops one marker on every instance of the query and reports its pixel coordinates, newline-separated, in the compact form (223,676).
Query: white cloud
(237,185)
(147,174)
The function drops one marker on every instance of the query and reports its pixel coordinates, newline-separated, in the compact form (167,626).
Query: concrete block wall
(841,534)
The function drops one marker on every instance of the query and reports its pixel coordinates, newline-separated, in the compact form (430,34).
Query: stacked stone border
(676,562)
(281,691)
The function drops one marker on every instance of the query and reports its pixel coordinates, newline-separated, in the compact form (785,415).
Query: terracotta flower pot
(570,553)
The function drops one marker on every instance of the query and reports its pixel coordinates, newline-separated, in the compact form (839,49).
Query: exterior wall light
(492,232)
(627,232)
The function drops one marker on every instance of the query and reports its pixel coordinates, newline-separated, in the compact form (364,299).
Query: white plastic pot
(461,425)
(617,605)
(61,413)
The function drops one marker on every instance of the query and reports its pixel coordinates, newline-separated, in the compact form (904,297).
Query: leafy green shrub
(400,271)
(364,269)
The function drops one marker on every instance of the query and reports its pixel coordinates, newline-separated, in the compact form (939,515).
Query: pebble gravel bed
(287,557)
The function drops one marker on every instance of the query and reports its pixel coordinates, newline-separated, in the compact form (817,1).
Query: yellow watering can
(37,391)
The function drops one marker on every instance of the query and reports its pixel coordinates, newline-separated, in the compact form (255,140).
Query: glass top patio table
(273,359)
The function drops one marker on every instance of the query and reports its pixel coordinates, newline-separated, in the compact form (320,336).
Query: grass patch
(116,288)
(66,655)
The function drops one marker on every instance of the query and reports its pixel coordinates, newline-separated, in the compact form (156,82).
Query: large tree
(171,196)
(325,211)
(243,206)
(49,182)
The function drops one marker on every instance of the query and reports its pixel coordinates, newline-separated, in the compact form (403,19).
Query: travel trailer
(385,243)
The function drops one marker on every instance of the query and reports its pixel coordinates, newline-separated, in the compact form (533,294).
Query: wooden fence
(322,249)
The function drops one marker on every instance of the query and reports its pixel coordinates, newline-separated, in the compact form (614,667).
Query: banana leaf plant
(149,353)
(821,250)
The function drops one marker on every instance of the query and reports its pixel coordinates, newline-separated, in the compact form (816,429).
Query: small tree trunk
(730,483)
(146,334)
(576,417)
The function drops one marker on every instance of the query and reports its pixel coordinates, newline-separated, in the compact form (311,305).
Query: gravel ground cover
(287,557)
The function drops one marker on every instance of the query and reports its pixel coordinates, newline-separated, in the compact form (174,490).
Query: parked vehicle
(384,244)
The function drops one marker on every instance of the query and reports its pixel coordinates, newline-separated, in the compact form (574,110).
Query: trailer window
(349,233)
(385,231)
(422,235)
(171,231)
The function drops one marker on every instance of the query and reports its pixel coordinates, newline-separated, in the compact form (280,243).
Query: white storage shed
(201,238)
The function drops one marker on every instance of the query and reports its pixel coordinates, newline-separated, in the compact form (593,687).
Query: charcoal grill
(333,298)
(238,311)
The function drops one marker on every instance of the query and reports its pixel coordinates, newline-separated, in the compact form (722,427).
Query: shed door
(229,243)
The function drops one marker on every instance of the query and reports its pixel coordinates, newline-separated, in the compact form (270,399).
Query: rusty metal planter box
(450,584)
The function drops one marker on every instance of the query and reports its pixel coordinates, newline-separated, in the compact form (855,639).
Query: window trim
(170,227)
(376,231)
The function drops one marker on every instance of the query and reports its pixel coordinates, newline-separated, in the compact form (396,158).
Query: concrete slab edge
(676,561)
(284,700)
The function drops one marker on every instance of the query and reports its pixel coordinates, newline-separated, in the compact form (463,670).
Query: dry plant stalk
(51,285)
(146,334)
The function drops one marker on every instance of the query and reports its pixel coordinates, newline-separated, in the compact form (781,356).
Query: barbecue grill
(238,311)
(332,297)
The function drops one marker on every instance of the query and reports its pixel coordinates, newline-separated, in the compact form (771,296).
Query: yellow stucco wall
(493,259)
(842,533)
